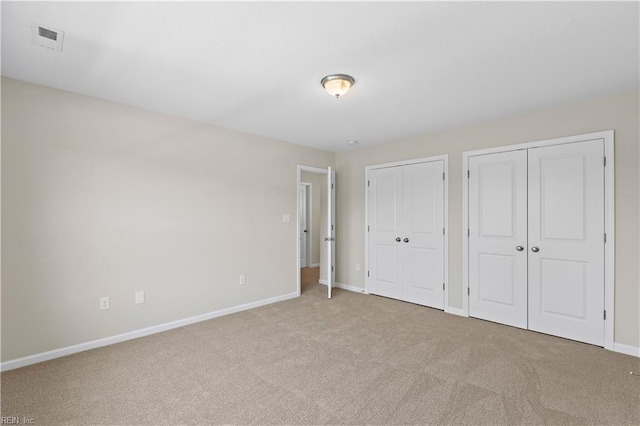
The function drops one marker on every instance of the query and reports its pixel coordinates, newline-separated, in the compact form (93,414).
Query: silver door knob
(535,249)
(519,248)
(406,240)
(398,239)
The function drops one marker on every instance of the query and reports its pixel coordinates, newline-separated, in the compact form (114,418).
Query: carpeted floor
(354,359)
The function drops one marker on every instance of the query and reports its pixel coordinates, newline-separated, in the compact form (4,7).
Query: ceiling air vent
(47,37)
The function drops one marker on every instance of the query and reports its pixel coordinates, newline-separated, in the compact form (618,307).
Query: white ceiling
(256,67)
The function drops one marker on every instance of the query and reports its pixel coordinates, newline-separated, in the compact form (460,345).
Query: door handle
(519,248)
(535,249)
(406,240)
(398,239)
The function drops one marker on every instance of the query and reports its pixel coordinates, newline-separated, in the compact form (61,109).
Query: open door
(331,232)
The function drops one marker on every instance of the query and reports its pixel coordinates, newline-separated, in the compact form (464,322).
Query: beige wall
(620,113)
(101,199)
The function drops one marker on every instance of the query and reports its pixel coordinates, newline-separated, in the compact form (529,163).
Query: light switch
(286,218)
(139,297)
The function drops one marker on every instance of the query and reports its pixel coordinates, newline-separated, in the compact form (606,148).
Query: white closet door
(422,237)
(385,222)
(498,238)
(566,241)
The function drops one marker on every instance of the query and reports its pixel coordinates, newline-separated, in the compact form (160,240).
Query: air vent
(47,37)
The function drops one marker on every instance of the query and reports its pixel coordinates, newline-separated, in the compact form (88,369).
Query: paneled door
(566,240)
(423,229)
(537,239)
(498,237)
(406,233)
(385,230)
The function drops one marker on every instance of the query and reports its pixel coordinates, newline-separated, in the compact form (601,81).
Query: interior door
(302,223)
(566,241)
(385,232)
(423,233)
(498,237)
(331,232)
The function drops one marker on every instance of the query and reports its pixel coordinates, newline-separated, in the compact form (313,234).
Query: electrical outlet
(139,297)
(104,303)
(357,267)
(286,218)
(243,279)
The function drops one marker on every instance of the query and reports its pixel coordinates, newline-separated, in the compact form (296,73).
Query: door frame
(445,159)
(609,218)
(302,168)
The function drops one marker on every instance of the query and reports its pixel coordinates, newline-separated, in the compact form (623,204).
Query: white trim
(626,349)
(314,265)
(347,287)
(456,311)
(609,172)
(299,169)
(57,353)
(445,159)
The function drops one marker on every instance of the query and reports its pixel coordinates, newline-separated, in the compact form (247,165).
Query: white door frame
(367,169)
(609,216)
(302,168)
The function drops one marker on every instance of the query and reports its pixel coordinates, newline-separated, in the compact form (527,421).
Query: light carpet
(354,359)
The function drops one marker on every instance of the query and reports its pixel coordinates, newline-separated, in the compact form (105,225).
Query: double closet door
(536,239)
(406,233)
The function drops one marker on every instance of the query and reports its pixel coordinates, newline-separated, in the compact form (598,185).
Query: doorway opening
(315,228)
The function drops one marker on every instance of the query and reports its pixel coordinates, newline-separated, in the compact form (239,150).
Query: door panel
(331,231)
(423,212)
(497,225)
(566,225)
(385,200)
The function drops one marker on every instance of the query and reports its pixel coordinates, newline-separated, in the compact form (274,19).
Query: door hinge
(468,232)
(331,268)
(468,291)
(442,175)
(605,161)
(331,186)
(367,273)
(368,228)
(605,238)
(442,231)
(368,183)
(332,227)
(605,314)
(468,174)
(442,286)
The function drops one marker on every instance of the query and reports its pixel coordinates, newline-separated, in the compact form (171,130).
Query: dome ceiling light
(337,84)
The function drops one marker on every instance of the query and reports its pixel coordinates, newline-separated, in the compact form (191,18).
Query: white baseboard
(455,311)
(347,287)
(314,265)
(57,353)
(626,349)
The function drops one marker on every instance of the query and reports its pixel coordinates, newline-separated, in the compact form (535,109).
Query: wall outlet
(286,218)
(139,297)
(357,267)
(104,303)
(243,279)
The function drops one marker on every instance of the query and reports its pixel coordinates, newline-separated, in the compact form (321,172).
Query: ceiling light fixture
(337,84)
(352,142)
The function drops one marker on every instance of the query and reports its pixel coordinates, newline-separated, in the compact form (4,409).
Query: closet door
(385,222)
(423,238)
(498,237)
(566,241)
